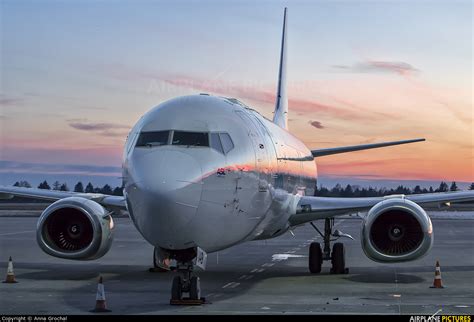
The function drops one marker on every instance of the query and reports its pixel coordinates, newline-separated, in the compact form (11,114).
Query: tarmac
(260,277)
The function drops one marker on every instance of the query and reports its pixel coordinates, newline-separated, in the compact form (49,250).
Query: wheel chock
(188,301)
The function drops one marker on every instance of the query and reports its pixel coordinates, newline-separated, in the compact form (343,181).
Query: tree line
(79,187)
(356,191)
(336,191)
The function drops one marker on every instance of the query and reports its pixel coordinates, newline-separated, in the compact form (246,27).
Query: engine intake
(75,228)
(396,230)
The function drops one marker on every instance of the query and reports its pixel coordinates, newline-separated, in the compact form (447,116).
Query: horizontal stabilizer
(352,148)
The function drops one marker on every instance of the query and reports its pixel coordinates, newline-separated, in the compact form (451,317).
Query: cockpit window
(153,138)
(216,143)
(190,138)
(226,141)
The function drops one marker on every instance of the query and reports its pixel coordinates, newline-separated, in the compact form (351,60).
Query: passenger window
(153,138)
(226,141)
(216,143)
(190,138)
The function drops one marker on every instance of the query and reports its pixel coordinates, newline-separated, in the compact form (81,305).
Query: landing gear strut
(337,256)
(186,282)
(184,262)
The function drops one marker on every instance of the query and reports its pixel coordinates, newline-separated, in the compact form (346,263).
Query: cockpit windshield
(153,138)
(190,138)
(219,141)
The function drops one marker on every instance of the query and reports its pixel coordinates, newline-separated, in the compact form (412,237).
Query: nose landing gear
(186,282)
(337,256)
(184,262)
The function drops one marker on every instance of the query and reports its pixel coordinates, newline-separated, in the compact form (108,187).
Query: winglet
(280,117)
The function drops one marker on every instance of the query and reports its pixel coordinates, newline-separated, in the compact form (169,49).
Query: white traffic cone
(10,274)
(437,283)
(100,304)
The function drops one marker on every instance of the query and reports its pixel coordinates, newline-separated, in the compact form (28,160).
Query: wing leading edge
(312,208)
(352,148)
(107,201)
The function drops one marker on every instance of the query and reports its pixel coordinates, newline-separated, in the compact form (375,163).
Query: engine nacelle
(396,230)
(75,228)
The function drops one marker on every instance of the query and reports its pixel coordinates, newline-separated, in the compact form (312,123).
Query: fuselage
(210,172)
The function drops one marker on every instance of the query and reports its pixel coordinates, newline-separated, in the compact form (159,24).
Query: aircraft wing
(312,208)
(353,148)
(108,201)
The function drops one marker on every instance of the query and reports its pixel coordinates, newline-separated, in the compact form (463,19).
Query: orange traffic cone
(100,305)
(437,283)
(10,274)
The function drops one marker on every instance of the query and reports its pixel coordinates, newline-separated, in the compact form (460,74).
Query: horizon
(74,83)
(87,173)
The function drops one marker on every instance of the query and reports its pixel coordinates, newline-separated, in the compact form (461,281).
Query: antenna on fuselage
(280,117)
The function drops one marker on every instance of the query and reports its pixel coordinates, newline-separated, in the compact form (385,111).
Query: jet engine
(396,230)
(75,228)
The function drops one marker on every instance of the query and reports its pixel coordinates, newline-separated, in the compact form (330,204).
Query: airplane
(202,173)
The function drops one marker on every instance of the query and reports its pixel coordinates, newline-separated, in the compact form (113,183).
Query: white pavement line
(227,285)
(234,285)
(249,277)
(268,264)
(254,270)
(242,277)
(260,270)
(18,232)
(399,297)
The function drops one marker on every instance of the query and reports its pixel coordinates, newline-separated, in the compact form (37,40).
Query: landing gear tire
(177,288)
(195,288)
(338,259)
(315,258)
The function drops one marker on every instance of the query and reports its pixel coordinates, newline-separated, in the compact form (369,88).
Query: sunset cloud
(245,90)
(316,124)
(262,93)
(377,66)
(105,129)
(9,101)
(43,168)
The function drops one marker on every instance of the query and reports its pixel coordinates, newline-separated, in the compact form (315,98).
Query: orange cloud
(316,124)
(103,129)
(261,94)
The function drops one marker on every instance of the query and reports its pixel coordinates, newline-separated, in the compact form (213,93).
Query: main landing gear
(184,262)
(337,256)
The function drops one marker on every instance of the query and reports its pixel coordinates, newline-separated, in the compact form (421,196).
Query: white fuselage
(183,196)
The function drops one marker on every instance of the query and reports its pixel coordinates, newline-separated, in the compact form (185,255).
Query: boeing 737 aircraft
(202,173)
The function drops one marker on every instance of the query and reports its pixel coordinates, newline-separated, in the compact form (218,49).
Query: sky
(77,75)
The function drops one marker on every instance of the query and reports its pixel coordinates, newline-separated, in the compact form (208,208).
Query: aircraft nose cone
(169,190)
